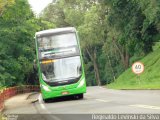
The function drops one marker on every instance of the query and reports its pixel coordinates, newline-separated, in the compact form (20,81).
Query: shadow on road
(62,99)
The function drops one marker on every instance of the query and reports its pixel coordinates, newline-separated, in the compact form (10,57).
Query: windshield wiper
(62,52)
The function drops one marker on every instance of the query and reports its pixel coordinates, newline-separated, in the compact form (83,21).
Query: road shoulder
(17,104)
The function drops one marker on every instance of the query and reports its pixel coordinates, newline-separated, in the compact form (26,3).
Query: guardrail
(12,91)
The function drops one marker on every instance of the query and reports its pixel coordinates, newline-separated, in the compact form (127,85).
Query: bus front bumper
(47,92)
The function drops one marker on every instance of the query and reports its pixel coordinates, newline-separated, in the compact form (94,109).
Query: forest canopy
(113,34)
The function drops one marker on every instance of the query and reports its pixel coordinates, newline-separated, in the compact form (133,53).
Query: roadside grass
(149,79)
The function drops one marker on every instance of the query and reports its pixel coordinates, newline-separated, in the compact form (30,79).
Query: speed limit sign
(138,68)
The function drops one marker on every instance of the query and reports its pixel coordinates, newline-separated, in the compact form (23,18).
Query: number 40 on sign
(138,68)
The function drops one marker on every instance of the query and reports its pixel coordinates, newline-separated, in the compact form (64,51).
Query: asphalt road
(97,100)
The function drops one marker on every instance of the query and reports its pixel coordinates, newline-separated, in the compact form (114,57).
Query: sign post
(138,68)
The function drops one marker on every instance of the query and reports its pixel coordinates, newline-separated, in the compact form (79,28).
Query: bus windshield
(61,69)
(57,41)
(56,46)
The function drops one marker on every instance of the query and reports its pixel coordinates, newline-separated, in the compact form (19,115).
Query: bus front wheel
(46,100)
(79,96)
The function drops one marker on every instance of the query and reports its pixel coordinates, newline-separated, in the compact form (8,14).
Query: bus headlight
(46,88)
(82,82)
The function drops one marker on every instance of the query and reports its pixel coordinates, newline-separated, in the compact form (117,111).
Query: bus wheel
(80,96)
(46,100)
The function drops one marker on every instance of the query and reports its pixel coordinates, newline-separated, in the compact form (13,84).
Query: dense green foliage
(113,33)
(16,43)
(4,4)
(17,52)
(150,79)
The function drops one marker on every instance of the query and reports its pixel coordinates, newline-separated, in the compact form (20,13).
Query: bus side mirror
(35,65)
(79,69)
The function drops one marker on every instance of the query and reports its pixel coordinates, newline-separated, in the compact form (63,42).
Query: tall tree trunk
(126,60)
(114,77)
(93,57)
(96,68)
(123,54)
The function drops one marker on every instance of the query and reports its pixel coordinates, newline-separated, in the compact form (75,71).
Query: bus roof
(55,31)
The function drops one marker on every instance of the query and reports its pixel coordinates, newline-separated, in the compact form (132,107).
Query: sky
(39,5)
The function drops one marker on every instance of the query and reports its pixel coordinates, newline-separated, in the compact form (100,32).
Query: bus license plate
(65,93)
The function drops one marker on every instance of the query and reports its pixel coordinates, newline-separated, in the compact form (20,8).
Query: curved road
(96,100)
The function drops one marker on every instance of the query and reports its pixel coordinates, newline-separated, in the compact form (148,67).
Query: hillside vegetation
(112,34)
(149,79)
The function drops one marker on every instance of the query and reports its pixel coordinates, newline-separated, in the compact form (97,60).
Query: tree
(134,36)
(113,33)
(18,27)
(4,4)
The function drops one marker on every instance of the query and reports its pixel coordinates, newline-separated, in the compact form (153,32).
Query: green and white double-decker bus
(60,63)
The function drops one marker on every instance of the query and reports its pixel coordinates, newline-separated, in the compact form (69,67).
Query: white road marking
(41,102)
(102,100)
(146,106)
(43,107)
